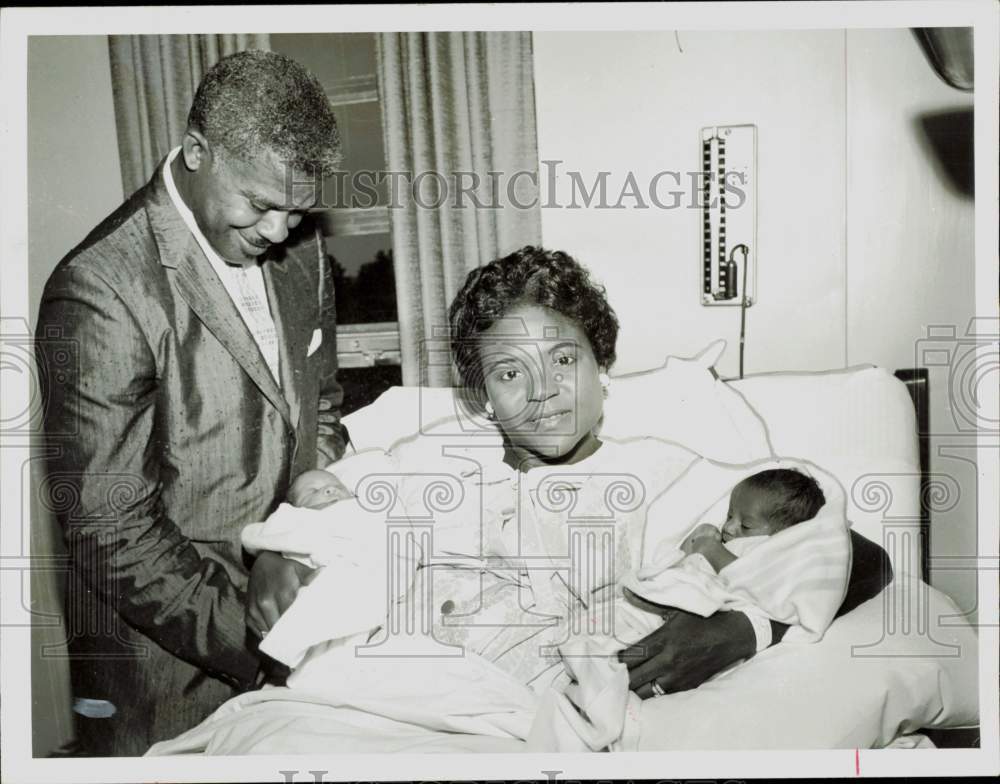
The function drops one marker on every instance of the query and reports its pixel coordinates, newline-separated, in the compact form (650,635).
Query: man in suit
(201,315)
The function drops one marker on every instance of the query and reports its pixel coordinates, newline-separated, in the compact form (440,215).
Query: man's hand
(686,651)
(274,583)
(332,435)
(328,417)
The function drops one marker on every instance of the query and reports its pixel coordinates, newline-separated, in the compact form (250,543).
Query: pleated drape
(154,79)
(457,106)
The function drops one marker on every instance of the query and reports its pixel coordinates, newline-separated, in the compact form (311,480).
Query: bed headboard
(916,381)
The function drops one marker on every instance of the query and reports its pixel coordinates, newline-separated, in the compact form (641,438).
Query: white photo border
(19,23)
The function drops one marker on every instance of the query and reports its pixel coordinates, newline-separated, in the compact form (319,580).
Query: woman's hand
(686,651)
(274,583)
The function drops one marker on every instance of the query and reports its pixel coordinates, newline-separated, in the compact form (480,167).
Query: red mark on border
(857,763)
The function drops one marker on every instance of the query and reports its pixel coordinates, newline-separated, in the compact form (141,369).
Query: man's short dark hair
(529,276)
(794,496)
(254,101)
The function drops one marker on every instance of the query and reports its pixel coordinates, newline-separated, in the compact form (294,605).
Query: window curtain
(458,114)
(154,79)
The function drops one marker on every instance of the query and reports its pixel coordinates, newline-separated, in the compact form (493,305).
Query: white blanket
(327,634)
(831,695)
(349,593)
(347,543)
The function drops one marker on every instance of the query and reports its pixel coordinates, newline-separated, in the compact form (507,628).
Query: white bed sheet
(279,720)
(865,684)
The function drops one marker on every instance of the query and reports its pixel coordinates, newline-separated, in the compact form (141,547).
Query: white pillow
(400,412)
(859,424)
(861,411)
(684,401)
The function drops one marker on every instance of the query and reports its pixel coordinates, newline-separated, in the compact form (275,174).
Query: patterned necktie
(259,321)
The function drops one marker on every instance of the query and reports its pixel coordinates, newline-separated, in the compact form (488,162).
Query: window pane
(363,278)
(357,239)
(360,127)
(335,58)
(363,385)
(331,56)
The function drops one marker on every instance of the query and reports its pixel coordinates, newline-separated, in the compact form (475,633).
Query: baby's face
(749,515)
(314,490)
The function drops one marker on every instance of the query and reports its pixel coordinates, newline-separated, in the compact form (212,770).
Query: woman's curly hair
(529,276)
(256,100)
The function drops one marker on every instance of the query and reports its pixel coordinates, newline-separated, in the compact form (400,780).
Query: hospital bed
(899,669)
(894,671)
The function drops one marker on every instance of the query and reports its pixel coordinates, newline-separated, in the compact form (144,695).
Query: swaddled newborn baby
(760,506)
(706,574)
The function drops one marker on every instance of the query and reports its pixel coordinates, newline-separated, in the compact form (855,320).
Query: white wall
(910,261)
(74,174)
(861,241)
(74,180)
(634,102)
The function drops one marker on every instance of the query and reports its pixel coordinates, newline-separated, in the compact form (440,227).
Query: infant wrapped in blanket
(775,557)
(782,554)
(798,578)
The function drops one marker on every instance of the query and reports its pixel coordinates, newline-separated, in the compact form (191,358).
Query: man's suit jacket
(168,434)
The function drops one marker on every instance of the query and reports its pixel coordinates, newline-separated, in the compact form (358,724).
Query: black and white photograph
(488,392)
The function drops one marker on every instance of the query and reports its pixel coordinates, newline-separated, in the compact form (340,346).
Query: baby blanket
(349,539)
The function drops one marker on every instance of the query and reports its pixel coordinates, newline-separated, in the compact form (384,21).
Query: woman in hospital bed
(692,577)
(519,536)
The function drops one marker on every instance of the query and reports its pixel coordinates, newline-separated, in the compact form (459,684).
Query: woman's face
(541,379)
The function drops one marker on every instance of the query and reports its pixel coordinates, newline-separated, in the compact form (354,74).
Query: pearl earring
(605,381)
(490,413)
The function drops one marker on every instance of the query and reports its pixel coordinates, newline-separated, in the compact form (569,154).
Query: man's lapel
(201,288)
(292,299)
